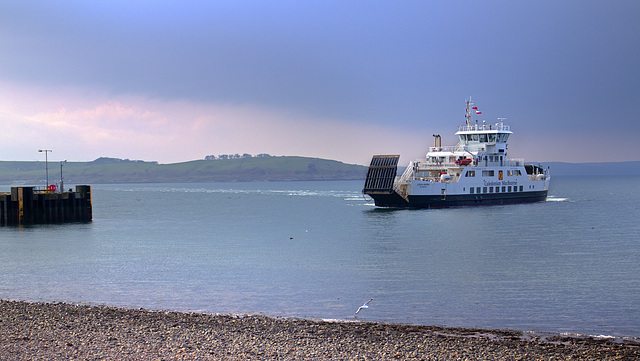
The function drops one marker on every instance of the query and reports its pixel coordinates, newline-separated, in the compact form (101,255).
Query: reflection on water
(319,249)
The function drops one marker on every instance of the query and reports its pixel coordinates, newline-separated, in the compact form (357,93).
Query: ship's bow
(380,180)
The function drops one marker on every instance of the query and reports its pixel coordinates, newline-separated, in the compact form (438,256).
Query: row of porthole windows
(505,189)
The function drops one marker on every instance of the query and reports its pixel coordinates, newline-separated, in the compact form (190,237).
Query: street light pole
(61,179)
(46,163)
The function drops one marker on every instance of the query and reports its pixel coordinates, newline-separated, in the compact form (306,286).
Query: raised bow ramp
(380,180)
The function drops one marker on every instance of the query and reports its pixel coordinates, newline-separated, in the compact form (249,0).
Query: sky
(174,81)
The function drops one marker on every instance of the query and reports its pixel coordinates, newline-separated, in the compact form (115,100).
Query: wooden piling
(27,205)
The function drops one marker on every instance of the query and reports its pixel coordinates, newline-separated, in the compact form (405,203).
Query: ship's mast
(468,115)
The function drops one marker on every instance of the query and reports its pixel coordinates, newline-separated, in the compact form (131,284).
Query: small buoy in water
(290,237)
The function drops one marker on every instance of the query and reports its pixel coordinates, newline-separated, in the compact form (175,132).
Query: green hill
(110,170)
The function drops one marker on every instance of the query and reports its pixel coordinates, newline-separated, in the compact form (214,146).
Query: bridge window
(470,173)
(483,138)
(488,173)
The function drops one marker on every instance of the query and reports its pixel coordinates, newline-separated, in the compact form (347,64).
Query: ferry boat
(474,172)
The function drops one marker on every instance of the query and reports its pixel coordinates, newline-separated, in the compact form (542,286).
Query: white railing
(421,166)
(450,148)
(418,166)
(425,166)
(408,173)
(476,127)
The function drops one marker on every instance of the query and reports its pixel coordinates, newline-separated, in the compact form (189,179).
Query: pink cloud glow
(80,125)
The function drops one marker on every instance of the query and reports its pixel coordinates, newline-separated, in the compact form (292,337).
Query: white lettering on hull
(500,183)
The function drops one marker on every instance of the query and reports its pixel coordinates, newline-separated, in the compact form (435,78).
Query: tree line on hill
(235,156)
(107,160)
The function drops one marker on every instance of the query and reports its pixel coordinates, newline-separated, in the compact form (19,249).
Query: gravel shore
(47,331)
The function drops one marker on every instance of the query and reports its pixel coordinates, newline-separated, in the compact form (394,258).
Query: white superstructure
(476,171)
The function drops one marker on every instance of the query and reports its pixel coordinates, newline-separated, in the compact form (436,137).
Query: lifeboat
(465,161)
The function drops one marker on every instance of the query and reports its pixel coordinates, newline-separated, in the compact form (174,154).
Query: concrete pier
(29,205)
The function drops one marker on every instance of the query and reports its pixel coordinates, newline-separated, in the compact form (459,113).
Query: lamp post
(46,163)
(61,179)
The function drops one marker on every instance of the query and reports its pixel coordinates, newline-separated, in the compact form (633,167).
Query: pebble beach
(60,331)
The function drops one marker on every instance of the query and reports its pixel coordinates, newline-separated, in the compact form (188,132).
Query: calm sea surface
(320,250)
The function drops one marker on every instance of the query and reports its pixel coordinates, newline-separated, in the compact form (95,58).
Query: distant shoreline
(254,169)
(64,331)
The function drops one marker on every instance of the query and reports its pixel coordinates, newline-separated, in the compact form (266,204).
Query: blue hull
(394,200)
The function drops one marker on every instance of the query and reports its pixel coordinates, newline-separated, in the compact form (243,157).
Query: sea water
(321,249)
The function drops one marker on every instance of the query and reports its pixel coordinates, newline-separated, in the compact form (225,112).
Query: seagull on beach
(366,305)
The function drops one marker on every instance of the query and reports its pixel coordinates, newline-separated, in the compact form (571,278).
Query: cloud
(83,124)
(80,124)
(175,81)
